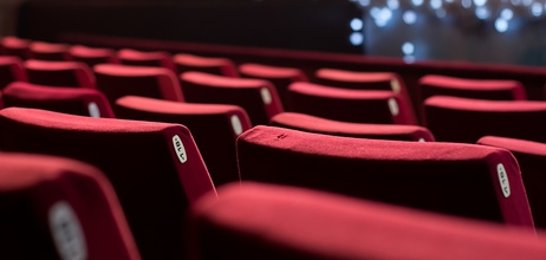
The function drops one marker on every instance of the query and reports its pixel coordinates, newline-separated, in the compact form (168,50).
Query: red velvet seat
(466,120)
(48,51)
(14,46)
(460,179)
(92,56)
(358,106)
(55,208)
(437,85)
(217,66)
(60,73)
(320,125)
(11,70)
(256,221)
(258,97)
(214,127)
(146,58)
(531,157)
(155,168)
(281,77)
(78,101)
(116,81)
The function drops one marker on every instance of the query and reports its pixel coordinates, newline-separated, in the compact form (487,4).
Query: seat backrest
(214,127)
(11,70)
(77,101)
(320,125)
(56,208)
(531,157)
(280,77)
(14,46)
(358,106)
(460,179)
(60,73)
(92,56)
(48,51)
(212,65)
(467,120)
(155,168)
(258,97)
(437,85)
(257,221)
(116,81)
(146,58)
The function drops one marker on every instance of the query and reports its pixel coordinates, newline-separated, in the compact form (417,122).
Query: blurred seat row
(333,165)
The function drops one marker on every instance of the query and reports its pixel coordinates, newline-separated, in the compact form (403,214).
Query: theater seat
(257,221)
(60,73)
(116,81)
(56,208)
(258,97)
(467,120)
(437,85)
(146,58)
(13,46)
(48,51)
(218,66)
(77,101)
(281,77)
(215,128)
(531,157)
(11,70)
(320,125)
(155,168)
(92,56)
(459,179)
(358,106)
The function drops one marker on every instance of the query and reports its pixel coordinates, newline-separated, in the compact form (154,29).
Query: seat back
(155,168)
(92,56)
(210,65)
(48,51)
(11,70)
(60,73)
(146,58)
(460,179)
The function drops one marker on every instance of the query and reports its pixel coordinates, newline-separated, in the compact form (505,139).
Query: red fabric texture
(280,77)
(11,70)
(246,93)
(357,106)
(13,46)
(458,179)
(140,159)
(366,81)
(257,221)
(92,56)
(116,81)
(48,51)
(60,73)
(30,185)
(211,65)
(532,161)
(146,59)
(467,120)
(320,125)
(437,85)
(75,101)
(210,124)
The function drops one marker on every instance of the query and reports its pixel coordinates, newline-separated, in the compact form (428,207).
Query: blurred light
(409,17)
(357,24)
(480,2)
(482,12)
(441,13)
(409,59)
(393,4)
(516,2)
(435,4)
(408,48)
(501,25)
(527,2)
(356,38)
(507,14)
(536,9)
(417,2)
(364,2)
(466,3)
(381,15)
